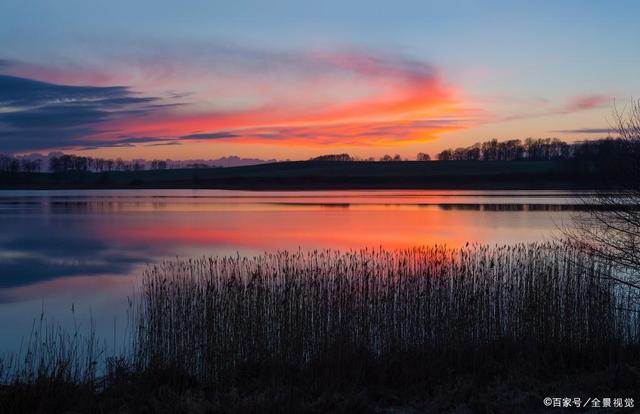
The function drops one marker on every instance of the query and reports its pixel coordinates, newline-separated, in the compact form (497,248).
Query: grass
(324,330)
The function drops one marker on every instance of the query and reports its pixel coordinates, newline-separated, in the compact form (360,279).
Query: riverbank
(323,175)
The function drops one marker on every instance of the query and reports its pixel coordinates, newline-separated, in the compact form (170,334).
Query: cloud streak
(42,115)
(231,94)
(586,102)
(351,133)
(573,105)
(585,131)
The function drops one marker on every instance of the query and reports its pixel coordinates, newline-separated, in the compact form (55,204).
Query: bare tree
(610,229)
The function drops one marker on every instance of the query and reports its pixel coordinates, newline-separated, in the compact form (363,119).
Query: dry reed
(212,316)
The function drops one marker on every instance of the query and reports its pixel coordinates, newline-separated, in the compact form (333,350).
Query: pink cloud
(585,102)
(337,97)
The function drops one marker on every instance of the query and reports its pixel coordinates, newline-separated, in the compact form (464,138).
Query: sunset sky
(295,79)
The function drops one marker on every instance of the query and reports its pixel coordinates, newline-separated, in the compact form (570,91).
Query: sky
(295,79)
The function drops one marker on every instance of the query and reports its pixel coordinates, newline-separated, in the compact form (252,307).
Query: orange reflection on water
(86,248)
(322,227)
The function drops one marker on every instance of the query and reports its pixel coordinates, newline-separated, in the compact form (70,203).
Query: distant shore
(324,175)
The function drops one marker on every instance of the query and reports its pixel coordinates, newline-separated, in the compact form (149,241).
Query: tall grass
(53,353)
(213,316)
(54,369)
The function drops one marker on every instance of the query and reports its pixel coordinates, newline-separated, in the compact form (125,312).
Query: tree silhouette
(611,232)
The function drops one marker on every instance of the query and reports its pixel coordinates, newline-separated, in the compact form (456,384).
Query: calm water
(85,248)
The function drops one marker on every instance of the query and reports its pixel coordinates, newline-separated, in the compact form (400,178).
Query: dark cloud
(585,131)
(164,143)
(53,116)
(20,92)
(140,140)
(38,115)
(212,135)
(41,138)
(132,141)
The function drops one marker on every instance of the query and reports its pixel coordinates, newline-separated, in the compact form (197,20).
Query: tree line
(74,163)
(10,164)
(539,149)
(535,149)
(608,149)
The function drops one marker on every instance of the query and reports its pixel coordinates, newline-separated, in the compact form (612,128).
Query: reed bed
(53,353)
(212,316)
(54,370)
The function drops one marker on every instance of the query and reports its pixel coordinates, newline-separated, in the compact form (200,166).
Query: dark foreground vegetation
(478,329)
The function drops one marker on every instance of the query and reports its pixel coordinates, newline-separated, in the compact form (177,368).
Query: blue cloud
(54,116)
(39,115)
(20,92)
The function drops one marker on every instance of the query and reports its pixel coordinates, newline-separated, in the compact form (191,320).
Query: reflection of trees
(506,207)
(339,206)
(448,207)
(528,207)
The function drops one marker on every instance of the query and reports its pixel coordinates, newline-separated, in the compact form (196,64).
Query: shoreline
(318,175)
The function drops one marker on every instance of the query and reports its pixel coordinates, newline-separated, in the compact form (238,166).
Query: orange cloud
(313,98)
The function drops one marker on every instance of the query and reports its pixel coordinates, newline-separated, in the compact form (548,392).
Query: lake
(84,249)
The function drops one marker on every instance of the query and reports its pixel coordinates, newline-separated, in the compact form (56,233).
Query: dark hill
(313,175)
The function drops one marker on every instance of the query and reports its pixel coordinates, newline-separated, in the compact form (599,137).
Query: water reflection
(85,247)
(37,248)
(49,235)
